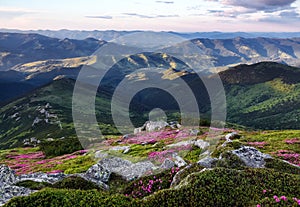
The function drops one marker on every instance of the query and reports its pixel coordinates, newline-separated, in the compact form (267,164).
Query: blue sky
(156,15)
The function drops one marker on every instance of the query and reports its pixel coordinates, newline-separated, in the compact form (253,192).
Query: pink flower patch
(257,144)
(293,141)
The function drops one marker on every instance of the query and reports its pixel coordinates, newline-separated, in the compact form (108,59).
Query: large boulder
(7,175)
(251,156)
(7,188)
(152,126)
(125,168)
(42,177)
(7,192)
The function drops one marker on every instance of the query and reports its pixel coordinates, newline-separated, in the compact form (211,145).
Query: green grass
(275,140)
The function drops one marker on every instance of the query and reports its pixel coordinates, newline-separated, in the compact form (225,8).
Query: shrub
(33,185)
(60,147)
(217,187)
(70,198)
(281,166)
(230,160)
(187,171)
(226,187)
(75,182)
(150,184)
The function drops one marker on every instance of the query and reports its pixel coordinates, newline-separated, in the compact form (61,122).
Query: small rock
(120,148)
(207,162)
(167,164)
(194,132)
(179,162)
(201,144)
(99,154)
(126,150)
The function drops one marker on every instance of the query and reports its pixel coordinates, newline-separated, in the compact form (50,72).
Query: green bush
(226,187)
(70,198)
(187,171)
(230,160)
(60,147)
(281,166)
(149,184)
(74,182)
(193,155)
(33,185)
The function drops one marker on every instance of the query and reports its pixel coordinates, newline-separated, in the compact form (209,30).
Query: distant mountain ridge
(108,35)
(16,49)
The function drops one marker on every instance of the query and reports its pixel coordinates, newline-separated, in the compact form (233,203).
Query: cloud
(231,12)
(166,16)
(99,17)
(14,12)
(289,14)
(165,2)
(138,15)
(284,17)
(259,5)
(149,17)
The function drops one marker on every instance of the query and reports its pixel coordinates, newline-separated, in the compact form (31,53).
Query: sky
(154,15)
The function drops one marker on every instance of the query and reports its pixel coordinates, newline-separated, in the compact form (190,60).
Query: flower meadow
(289,156)
(27,162)
(193,185)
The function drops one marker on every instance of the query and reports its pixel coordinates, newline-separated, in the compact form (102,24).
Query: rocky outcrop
(42,177)
(125,168)
(98,174)
(251,156)
(8,190)
(7,175)
(151,126)
(167,164)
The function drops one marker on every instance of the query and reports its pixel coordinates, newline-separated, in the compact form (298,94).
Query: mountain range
(16,49)
(38,73)
(262,96)
(108,35)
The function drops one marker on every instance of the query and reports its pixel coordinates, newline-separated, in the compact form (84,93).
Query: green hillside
(263,96)
(51,107)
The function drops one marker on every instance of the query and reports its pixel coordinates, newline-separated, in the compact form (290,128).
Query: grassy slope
(59,96)
(267,99)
